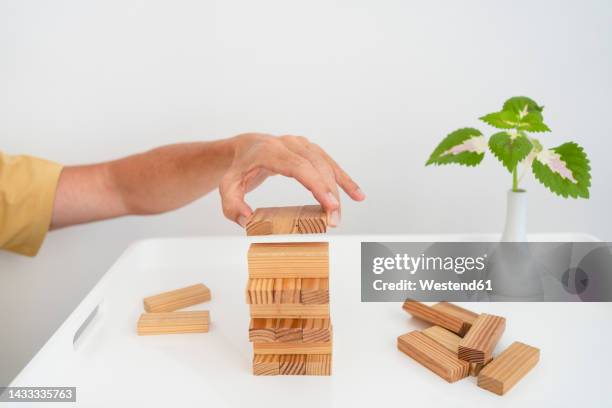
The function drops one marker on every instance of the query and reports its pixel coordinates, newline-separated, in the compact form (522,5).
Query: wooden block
(314,291)
(433,355)
(437,317)
(478,344)
(316,330)
(466,315)
(318,364)
(306,219)
(173,322)
(290,290)
(293,348)
(445,337)
(501,374)
(267,364)
(451,341)
(262,330)
(289,260)
(260,291)
(290,310)
(177,299)
(292,364)
(289,330)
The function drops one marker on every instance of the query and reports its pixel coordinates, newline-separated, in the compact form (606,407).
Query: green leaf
(463,146)
(509,149)
(501,120)
(518,104)
(564,170)
(533,122)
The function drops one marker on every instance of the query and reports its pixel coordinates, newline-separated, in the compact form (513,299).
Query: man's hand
(258,156)
(170,177)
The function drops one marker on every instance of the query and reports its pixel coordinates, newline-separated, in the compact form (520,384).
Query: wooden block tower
(288,294)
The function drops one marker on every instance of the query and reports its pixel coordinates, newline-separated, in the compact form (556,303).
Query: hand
(258,156)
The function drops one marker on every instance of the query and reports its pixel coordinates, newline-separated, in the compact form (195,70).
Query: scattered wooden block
(173,322)
(260,291)
(314,291)
(289,260)
(262,330)
(306,219)
(451,341)
(478,344)
(433,355)
(437,317)
(289,310)
(464,314)
(293,364)
(267,364)
(316,330)
(501,374)
(177,299)
(318,364)
(289,330)
(293,348)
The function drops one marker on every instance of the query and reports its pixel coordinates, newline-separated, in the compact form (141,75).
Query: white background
(378,84)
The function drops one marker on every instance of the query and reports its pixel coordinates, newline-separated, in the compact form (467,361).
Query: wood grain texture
(464,314)
(289,260)
(318,364)
(262,330)
(293,348)
(316,330)
(501,374)
(437,317)
(314,291)
(451,341)
(173,322)
(290,290)
(478,344)
(177,299)
(289,310)
(307,219)
(289,330)
(433,356)
(266,364)
(260,291)
(292,364)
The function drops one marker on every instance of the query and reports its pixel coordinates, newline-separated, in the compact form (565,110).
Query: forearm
(152,182)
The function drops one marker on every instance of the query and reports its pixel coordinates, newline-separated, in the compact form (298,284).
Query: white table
(112,366)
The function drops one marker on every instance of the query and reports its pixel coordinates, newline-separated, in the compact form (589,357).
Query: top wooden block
(440,315)
(289,260)
(306,219)
(177,299)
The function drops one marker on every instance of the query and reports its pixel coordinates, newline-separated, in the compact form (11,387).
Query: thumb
(232,193)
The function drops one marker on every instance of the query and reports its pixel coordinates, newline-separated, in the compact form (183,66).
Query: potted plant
(564,169)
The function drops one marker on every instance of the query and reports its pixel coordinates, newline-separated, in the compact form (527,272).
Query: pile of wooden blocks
(288,294)
(162,315)
(461,343)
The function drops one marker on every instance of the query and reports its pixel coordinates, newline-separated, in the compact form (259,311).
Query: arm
(170,177)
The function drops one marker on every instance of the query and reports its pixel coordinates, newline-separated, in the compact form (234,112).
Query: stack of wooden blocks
(461,343)
(288,294)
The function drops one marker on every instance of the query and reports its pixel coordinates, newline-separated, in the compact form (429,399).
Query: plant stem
(515,179)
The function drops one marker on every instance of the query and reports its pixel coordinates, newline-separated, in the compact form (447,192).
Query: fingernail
(360,193)
(332,199)
(334,218)
(242,221)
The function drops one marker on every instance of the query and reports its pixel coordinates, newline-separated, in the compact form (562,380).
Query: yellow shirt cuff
(27,196)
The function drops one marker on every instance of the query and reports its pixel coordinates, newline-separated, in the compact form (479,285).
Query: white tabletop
(112,366)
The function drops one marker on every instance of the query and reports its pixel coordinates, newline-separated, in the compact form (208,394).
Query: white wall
(377,83)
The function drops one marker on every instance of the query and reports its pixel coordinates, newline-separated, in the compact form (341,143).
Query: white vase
(515,229)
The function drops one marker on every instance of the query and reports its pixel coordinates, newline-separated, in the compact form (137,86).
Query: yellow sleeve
(27,194)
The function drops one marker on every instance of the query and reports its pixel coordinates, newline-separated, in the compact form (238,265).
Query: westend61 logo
(412,264)
(486,271)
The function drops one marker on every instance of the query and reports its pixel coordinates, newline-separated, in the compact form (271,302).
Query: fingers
(301,146)
(232,190)
(342,178)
